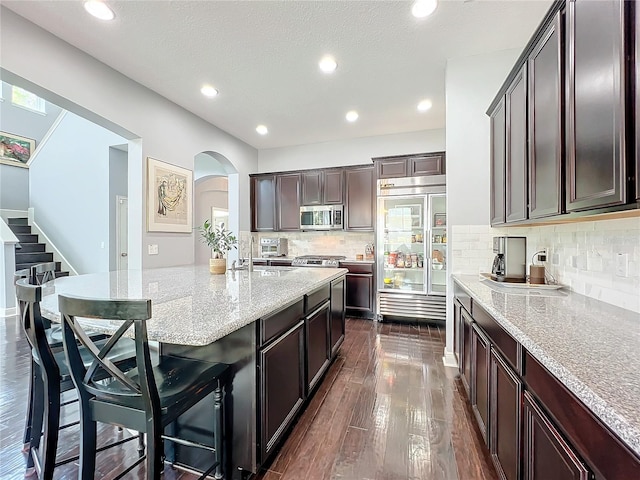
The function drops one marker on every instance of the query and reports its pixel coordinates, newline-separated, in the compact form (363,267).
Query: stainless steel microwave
(321,217)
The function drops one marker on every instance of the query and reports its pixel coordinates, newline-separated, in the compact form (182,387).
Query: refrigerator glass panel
(437,238)
(401,244)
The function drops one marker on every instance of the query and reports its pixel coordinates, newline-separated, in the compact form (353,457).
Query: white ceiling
(262,56)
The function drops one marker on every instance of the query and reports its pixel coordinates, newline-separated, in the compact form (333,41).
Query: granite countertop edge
(628,433)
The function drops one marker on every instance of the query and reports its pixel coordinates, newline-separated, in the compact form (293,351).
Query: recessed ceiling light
(425,105)
(99,9)
(328,64)
(208,91)
(262,130)
(424,8)
(351,116)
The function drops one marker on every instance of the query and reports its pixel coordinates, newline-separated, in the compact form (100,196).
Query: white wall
(356,151)
(69,184)
(14,188)
(471,85)
(51,68)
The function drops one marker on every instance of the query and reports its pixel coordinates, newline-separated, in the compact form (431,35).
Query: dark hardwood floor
(387,409)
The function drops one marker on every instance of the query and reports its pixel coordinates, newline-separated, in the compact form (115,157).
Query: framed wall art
(15,150)
(169,197)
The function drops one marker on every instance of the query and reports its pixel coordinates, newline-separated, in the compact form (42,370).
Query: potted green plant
(220,240)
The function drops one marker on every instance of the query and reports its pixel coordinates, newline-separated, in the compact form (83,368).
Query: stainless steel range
(329,261)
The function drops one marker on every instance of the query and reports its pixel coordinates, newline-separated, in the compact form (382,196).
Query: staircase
(31,252)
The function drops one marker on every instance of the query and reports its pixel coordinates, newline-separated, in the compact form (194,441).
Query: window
(28,100)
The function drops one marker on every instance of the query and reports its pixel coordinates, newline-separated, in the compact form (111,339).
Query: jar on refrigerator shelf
(407,261)
(414,260)
(400,260)
(393,259)
(386,259)
(420,263)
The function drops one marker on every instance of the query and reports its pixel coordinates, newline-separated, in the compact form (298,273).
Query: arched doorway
(216,193)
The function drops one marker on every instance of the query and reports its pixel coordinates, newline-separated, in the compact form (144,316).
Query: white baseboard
(8,312)
(450,360)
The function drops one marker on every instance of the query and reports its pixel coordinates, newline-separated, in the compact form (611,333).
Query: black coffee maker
(509,264)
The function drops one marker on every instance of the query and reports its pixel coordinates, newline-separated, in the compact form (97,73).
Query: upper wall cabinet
(263,203)
(411,165)
(360,198)
(596,156)
(288,202)
(545,123)
(516,148)
(497,163)
(322,187)
(568,117)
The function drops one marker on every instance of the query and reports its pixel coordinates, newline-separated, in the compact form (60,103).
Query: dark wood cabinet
(263,203)
(318,348)
(360,198)
(431,164)
(516,149)
(545,123)
(282,386)
(415,165)
(480,351)
(637,97)
(359,288)
(288,202)
(465,351)
(595,104)
(497,118)
(312,187)
(391,167)
(322,187)
(333,186)
(547,455)
(337,318)
(506,407)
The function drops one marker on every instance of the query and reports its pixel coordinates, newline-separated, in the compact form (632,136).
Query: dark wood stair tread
(18,221)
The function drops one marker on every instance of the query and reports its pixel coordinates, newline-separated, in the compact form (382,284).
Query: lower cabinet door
(359,291)
(281,370)
(506,407)
(547,456)
(480,380)
(318,351)
(465,354)
(337,315)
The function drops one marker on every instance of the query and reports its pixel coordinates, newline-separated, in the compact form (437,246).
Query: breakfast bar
(279,328)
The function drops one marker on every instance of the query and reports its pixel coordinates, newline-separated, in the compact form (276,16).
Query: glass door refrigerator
(411,248)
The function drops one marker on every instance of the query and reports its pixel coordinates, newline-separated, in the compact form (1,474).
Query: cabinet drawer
(315,298)
(358,267)
(498,336)
(280,322)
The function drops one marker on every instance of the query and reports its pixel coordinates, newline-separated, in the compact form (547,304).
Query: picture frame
(440,220)
(16,150)
(169,197)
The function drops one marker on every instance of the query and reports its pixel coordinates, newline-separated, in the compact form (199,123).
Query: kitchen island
(550,371)
(279,328)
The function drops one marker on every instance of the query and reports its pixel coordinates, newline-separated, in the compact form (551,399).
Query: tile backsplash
(319,243)
(583,256)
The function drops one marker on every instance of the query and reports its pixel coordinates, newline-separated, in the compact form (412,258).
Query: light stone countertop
(190,306)
(592,347)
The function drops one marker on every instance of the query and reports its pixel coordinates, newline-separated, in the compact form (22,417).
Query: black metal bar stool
(50,378)
(146,398)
